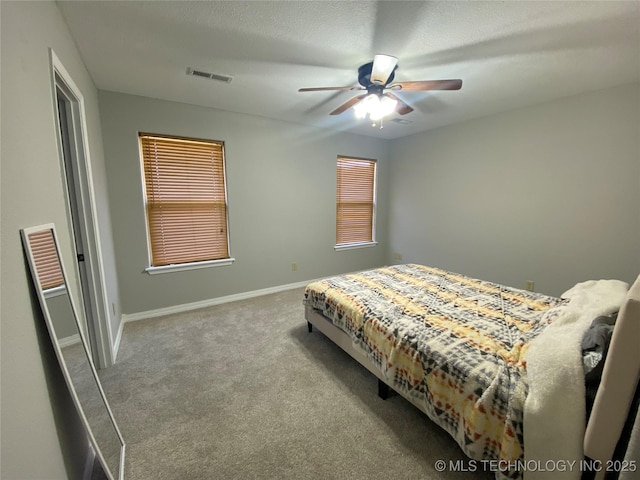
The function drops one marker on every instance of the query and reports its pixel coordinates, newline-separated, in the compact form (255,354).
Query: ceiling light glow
(375,107)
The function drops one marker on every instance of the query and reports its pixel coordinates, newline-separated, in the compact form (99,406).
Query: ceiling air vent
(402,121)
(210,76)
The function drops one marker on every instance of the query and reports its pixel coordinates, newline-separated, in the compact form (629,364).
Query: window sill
(189,266)
(351,246)
(55,291)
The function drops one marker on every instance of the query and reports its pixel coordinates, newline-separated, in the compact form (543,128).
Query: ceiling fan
(376,78)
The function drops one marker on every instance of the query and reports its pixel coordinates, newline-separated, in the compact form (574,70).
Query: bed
(497,367)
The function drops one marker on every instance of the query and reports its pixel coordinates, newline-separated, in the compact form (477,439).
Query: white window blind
(186,199)
(355,200)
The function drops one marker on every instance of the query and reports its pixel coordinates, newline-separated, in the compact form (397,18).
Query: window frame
(185,266)
(362,244)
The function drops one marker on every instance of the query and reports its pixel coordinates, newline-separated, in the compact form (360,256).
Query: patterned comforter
(453,344)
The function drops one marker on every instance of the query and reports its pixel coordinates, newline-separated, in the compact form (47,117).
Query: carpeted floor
(242,390)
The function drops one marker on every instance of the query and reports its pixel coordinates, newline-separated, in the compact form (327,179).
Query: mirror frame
(25,232)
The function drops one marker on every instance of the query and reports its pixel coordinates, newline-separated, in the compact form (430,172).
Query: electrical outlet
(294,267)
(530,285)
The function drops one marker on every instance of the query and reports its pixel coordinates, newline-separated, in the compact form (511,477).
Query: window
(355,202)
(186,201)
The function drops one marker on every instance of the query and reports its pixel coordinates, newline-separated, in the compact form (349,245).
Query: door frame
(92,285)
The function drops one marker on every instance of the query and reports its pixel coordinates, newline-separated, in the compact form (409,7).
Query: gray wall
(548,193)
(41,435)
(61,315)
(281,190)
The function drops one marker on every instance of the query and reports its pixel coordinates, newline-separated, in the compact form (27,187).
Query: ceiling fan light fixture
(387,106)
(362,108)
(375,106)
(377,78)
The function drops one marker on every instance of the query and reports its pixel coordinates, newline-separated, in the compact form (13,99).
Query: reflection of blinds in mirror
(46,259)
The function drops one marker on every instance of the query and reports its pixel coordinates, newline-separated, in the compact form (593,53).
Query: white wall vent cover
(210,76)
(402,121)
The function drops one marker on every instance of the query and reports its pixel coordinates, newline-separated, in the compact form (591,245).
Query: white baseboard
(68,341)
(116,343)
(185,307)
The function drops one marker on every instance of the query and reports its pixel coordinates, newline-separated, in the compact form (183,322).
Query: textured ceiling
(509,54)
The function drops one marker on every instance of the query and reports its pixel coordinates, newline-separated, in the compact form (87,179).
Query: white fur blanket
(554,411)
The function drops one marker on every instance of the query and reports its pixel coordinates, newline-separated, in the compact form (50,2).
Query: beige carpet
(243,390)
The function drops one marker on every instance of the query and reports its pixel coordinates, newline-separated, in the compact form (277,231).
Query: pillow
(595,345)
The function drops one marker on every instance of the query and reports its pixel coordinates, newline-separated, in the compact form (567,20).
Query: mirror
(69,341)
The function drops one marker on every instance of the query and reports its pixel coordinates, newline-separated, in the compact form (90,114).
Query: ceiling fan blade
(383,66)
(348,104)
(402,108)
(454,84)
(322,89)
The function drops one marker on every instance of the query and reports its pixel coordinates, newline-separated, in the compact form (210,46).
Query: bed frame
(614,399)
(340,338)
